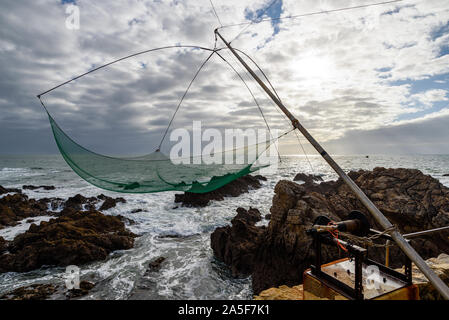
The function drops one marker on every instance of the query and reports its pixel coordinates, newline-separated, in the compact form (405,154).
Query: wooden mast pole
(380,218)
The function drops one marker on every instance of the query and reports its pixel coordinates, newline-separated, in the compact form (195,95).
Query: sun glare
(313,67)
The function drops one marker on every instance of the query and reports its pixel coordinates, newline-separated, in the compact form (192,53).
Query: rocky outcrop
(232,189)
(281,293)
(408,198)
(84,289)
(47,188)
(308,178)
(236,244)
(72,239)
(33,292)
(48,291)
(3,245)
(109,202)
(440,265)
(79,202)
(250,216)
(9,190)
(16,207)
(156,264)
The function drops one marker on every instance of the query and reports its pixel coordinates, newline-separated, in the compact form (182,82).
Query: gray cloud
(333,71)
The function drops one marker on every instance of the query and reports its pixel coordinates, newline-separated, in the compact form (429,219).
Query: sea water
(190,270)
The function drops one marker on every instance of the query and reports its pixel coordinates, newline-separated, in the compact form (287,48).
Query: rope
(369,241)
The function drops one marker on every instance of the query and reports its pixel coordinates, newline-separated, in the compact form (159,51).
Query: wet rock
(16,207)
(233,189)
(408,198)
(85,287)
(72,239)
(47,188)
(79,202)
(236,244)
(446,175)
(126,220)
(3,245)
(53,203)
(268,217)
(252,215)
(9,190)
(76,202)
(307,178)
(109,202)
(155,265)
(137,211)
(33,292)
(48,291)
(281,293)
(177,236)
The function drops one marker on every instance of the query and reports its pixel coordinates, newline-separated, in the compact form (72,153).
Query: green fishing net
(156,172)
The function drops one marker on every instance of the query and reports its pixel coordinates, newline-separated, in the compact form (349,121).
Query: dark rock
(47,188)
(126,220)
(155,265)
(85,287)
(446,175)
(236,244)
(268,217)
(72,239)
(307,178)
(110,202)
(76,202)
(3,245)
(136,211)
(251,215)
(54,203)
(16,207)
(33,292)
(280,253)
(9,190)
(233,189)
(47,291)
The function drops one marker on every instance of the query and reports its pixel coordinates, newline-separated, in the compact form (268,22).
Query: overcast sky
(370,80)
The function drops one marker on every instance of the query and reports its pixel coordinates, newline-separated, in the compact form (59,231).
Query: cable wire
(308,14)
(215,13)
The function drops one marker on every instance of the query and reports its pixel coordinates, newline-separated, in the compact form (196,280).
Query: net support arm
(380,218)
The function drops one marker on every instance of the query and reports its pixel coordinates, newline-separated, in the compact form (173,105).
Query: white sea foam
(190,270)
(10,233)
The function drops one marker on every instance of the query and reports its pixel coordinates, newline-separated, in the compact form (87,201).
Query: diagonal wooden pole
(380,218)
